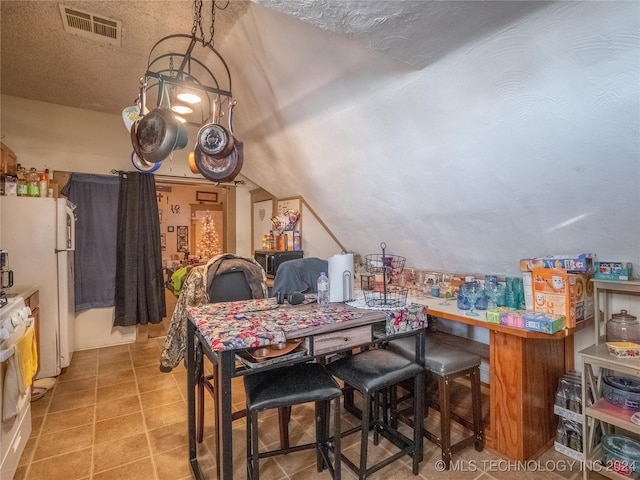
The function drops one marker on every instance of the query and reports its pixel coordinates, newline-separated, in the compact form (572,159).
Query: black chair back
(230,286)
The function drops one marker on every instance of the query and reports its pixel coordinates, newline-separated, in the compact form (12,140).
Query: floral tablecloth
(256,323)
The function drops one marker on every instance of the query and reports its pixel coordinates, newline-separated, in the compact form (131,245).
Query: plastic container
(623,327)
(33,190)
(569,393)
(323,289)
(621,391)
(622,455)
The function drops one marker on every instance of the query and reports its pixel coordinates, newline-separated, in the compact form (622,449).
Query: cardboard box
(544,322)
(612,270)
(493,315)
(559,292)
(582,262)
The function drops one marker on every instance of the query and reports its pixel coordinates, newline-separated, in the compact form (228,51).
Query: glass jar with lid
(623,327)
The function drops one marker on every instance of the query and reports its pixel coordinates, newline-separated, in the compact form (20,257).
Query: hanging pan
(213,138)
(142,165)
(220,169)
(158,133)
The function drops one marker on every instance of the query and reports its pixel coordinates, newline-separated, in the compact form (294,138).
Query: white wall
(520,143)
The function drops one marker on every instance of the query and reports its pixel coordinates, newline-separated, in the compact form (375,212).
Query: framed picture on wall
(206,196)
(183,238)
(170,228)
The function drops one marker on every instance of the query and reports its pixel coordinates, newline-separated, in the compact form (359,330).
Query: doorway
(182,206)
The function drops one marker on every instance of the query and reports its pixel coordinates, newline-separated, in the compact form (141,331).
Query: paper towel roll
(341,278)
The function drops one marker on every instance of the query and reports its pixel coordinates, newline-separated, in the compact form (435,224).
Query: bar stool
(446,364)
(285,387)
(371,372)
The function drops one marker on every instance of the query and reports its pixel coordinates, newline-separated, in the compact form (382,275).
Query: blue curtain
(96,199)
(139,278)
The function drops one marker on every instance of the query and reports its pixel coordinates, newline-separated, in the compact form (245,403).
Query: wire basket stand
(384,294)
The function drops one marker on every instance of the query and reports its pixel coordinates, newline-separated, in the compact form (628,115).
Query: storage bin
(621,391)
(622,455)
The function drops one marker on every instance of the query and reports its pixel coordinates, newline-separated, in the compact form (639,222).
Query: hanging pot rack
(183,75)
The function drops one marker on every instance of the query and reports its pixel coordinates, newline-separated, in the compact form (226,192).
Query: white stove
(14,431)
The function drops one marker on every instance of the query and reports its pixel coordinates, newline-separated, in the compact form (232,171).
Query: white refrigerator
(39,235)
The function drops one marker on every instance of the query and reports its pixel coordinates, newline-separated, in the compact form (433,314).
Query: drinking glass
(494,291)
(445,283)
(472,291)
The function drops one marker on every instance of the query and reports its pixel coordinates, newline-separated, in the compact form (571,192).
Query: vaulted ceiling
(40,61)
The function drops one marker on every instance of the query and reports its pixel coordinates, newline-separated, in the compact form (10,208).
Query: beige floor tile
(110,366)
(148,371)
(149,384)
(66,441)
(120,451)
(74,400)
(160,397)
(117,427)
(117,376)
(27,454)
(54,422)
(138,470)
(74,386)
(118,390)
(145,358)
(168,437)
(168,414)
(173,464)
(79,370)
(40,407)
(69,466)
(118,407)
(36,425)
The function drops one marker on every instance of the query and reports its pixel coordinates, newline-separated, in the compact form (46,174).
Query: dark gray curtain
(96,200)
(139,279)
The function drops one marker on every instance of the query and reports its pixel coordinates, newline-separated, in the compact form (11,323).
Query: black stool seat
(439,359)
(286,387)
(373,373)
(374,370)
(446,364)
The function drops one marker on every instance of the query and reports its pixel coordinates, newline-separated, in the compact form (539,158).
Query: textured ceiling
(42,62)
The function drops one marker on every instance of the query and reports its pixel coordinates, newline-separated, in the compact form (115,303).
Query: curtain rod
(187,180)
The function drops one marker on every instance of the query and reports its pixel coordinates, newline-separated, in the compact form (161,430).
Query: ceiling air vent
(98,28)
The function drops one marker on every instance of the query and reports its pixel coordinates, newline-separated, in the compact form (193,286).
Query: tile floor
(113,415)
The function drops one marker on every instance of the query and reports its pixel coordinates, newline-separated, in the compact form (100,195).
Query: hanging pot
(142,165)
(220,169)
(214,139)
(192,163)
(158,134)
(130,115)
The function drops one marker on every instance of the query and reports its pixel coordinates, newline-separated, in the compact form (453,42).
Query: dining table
(230,335)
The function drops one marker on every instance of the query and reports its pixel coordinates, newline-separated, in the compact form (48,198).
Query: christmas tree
(209,244)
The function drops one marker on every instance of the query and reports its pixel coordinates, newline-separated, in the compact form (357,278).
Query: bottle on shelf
(22,181)
(33,190)
(43,182)
(323,289)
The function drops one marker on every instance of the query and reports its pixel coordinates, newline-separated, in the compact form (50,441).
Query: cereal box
(581,262)
(558,292)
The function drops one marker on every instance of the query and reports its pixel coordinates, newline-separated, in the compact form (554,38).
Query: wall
(522,142)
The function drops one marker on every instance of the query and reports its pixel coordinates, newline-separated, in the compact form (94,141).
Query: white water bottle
(323,289)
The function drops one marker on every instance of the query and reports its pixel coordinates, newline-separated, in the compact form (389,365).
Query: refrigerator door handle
(71,229)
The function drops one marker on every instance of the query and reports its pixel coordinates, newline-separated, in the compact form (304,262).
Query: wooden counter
(524,369)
